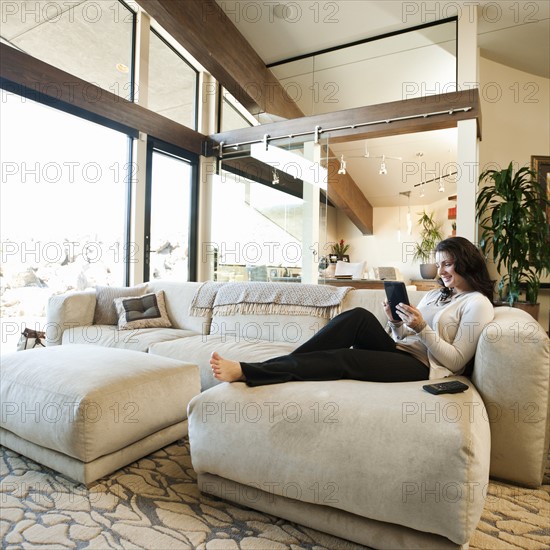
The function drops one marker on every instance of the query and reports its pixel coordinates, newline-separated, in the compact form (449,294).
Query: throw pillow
(105,311)
(148,311)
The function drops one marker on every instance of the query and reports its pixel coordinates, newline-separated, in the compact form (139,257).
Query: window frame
(168,149)
(197,74)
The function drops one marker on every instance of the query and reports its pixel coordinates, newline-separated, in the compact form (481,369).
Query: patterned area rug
(155,504)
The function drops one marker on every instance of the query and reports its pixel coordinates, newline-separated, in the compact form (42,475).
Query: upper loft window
(173,83)
(233,115)
(91,40)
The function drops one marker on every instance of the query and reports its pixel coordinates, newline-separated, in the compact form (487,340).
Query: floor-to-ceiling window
(67,182)
(171,206)
(64,194)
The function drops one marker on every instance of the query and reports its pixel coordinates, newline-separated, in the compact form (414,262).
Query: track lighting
(342,170)
(421,189)
(275,180)
(441,188)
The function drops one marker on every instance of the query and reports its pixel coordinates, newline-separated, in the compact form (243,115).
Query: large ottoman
(383,465)
(86,411)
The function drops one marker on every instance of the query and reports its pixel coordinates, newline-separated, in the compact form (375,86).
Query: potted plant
(511,209)
(339,249)
(430,234)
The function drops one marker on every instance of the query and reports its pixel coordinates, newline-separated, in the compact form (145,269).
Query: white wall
(516,113)
(515,110)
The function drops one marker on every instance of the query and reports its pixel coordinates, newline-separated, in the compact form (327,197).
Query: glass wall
(63,200)
(411,64)
(269,215)
(256,230)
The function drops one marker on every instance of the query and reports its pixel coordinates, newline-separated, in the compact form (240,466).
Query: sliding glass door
(170,214)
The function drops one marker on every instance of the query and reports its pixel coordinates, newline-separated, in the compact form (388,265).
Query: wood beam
(19,71)
(204,30)
(346,125)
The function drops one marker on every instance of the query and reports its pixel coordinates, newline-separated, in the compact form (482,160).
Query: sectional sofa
(384,465)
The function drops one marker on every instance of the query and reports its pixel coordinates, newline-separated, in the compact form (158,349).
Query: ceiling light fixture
(383,170)
(421,189)
(342,169)
(275,180)
(441,188)
(409,217)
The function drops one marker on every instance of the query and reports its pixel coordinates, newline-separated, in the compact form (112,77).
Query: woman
(434,340)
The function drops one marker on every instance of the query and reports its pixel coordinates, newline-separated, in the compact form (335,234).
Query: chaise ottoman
(86,411)
(383,465)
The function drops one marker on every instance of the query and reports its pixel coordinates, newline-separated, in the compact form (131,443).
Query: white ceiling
(517,33)
(514,33)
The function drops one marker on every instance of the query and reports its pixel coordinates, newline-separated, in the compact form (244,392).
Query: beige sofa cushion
(178,297)
(66,311)
(89,401)
(292,329)
(111,337)
(234,347)
(105,310)
(511,372)
(389,452)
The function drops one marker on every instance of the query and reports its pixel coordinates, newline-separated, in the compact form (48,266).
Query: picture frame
(344,258)
(541,165)
(333,258)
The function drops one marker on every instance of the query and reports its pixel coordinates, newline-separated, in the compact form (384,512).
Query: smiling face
(446,270)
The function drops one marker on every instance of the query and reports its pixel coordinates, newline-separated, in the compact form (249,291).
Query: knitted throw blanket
(203,301)
(259,298)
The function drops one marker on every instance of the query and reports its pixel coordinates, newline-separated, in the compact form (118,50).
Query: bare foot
(225,370)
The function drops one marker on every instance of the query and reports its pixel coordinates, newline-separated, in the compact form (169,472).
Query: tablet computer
(396,292)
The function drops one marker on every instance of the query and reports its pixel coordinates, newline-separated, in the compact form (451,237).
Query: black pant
(329,355)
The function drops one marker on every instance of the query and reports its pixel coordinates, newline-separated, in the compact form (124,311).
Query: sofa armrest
(64,311)
(512,371)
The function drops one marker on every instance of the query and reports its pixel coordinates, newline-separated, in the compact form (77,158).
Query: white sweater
(457,325)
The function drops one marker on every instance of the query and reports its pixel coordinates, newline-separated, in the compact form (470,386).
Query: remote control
(454,386)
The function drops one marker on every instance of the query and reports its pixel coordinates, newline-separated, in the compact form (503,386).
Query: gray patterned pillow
(105,312)
(148,311)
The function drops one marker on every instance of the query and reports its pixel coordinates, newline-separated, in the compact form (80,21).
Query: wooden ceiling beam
(385,119)
(21,72)
(204,30)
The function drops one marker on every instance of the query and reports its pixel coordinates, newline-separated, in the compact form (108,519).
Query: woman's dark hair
(468,263)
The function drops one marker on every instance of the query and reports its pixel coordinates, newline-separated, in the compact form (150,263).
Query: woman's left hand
(411,316)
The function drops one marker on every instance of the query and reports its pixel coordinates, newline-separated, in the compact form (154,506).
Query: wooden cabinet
(425,284)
